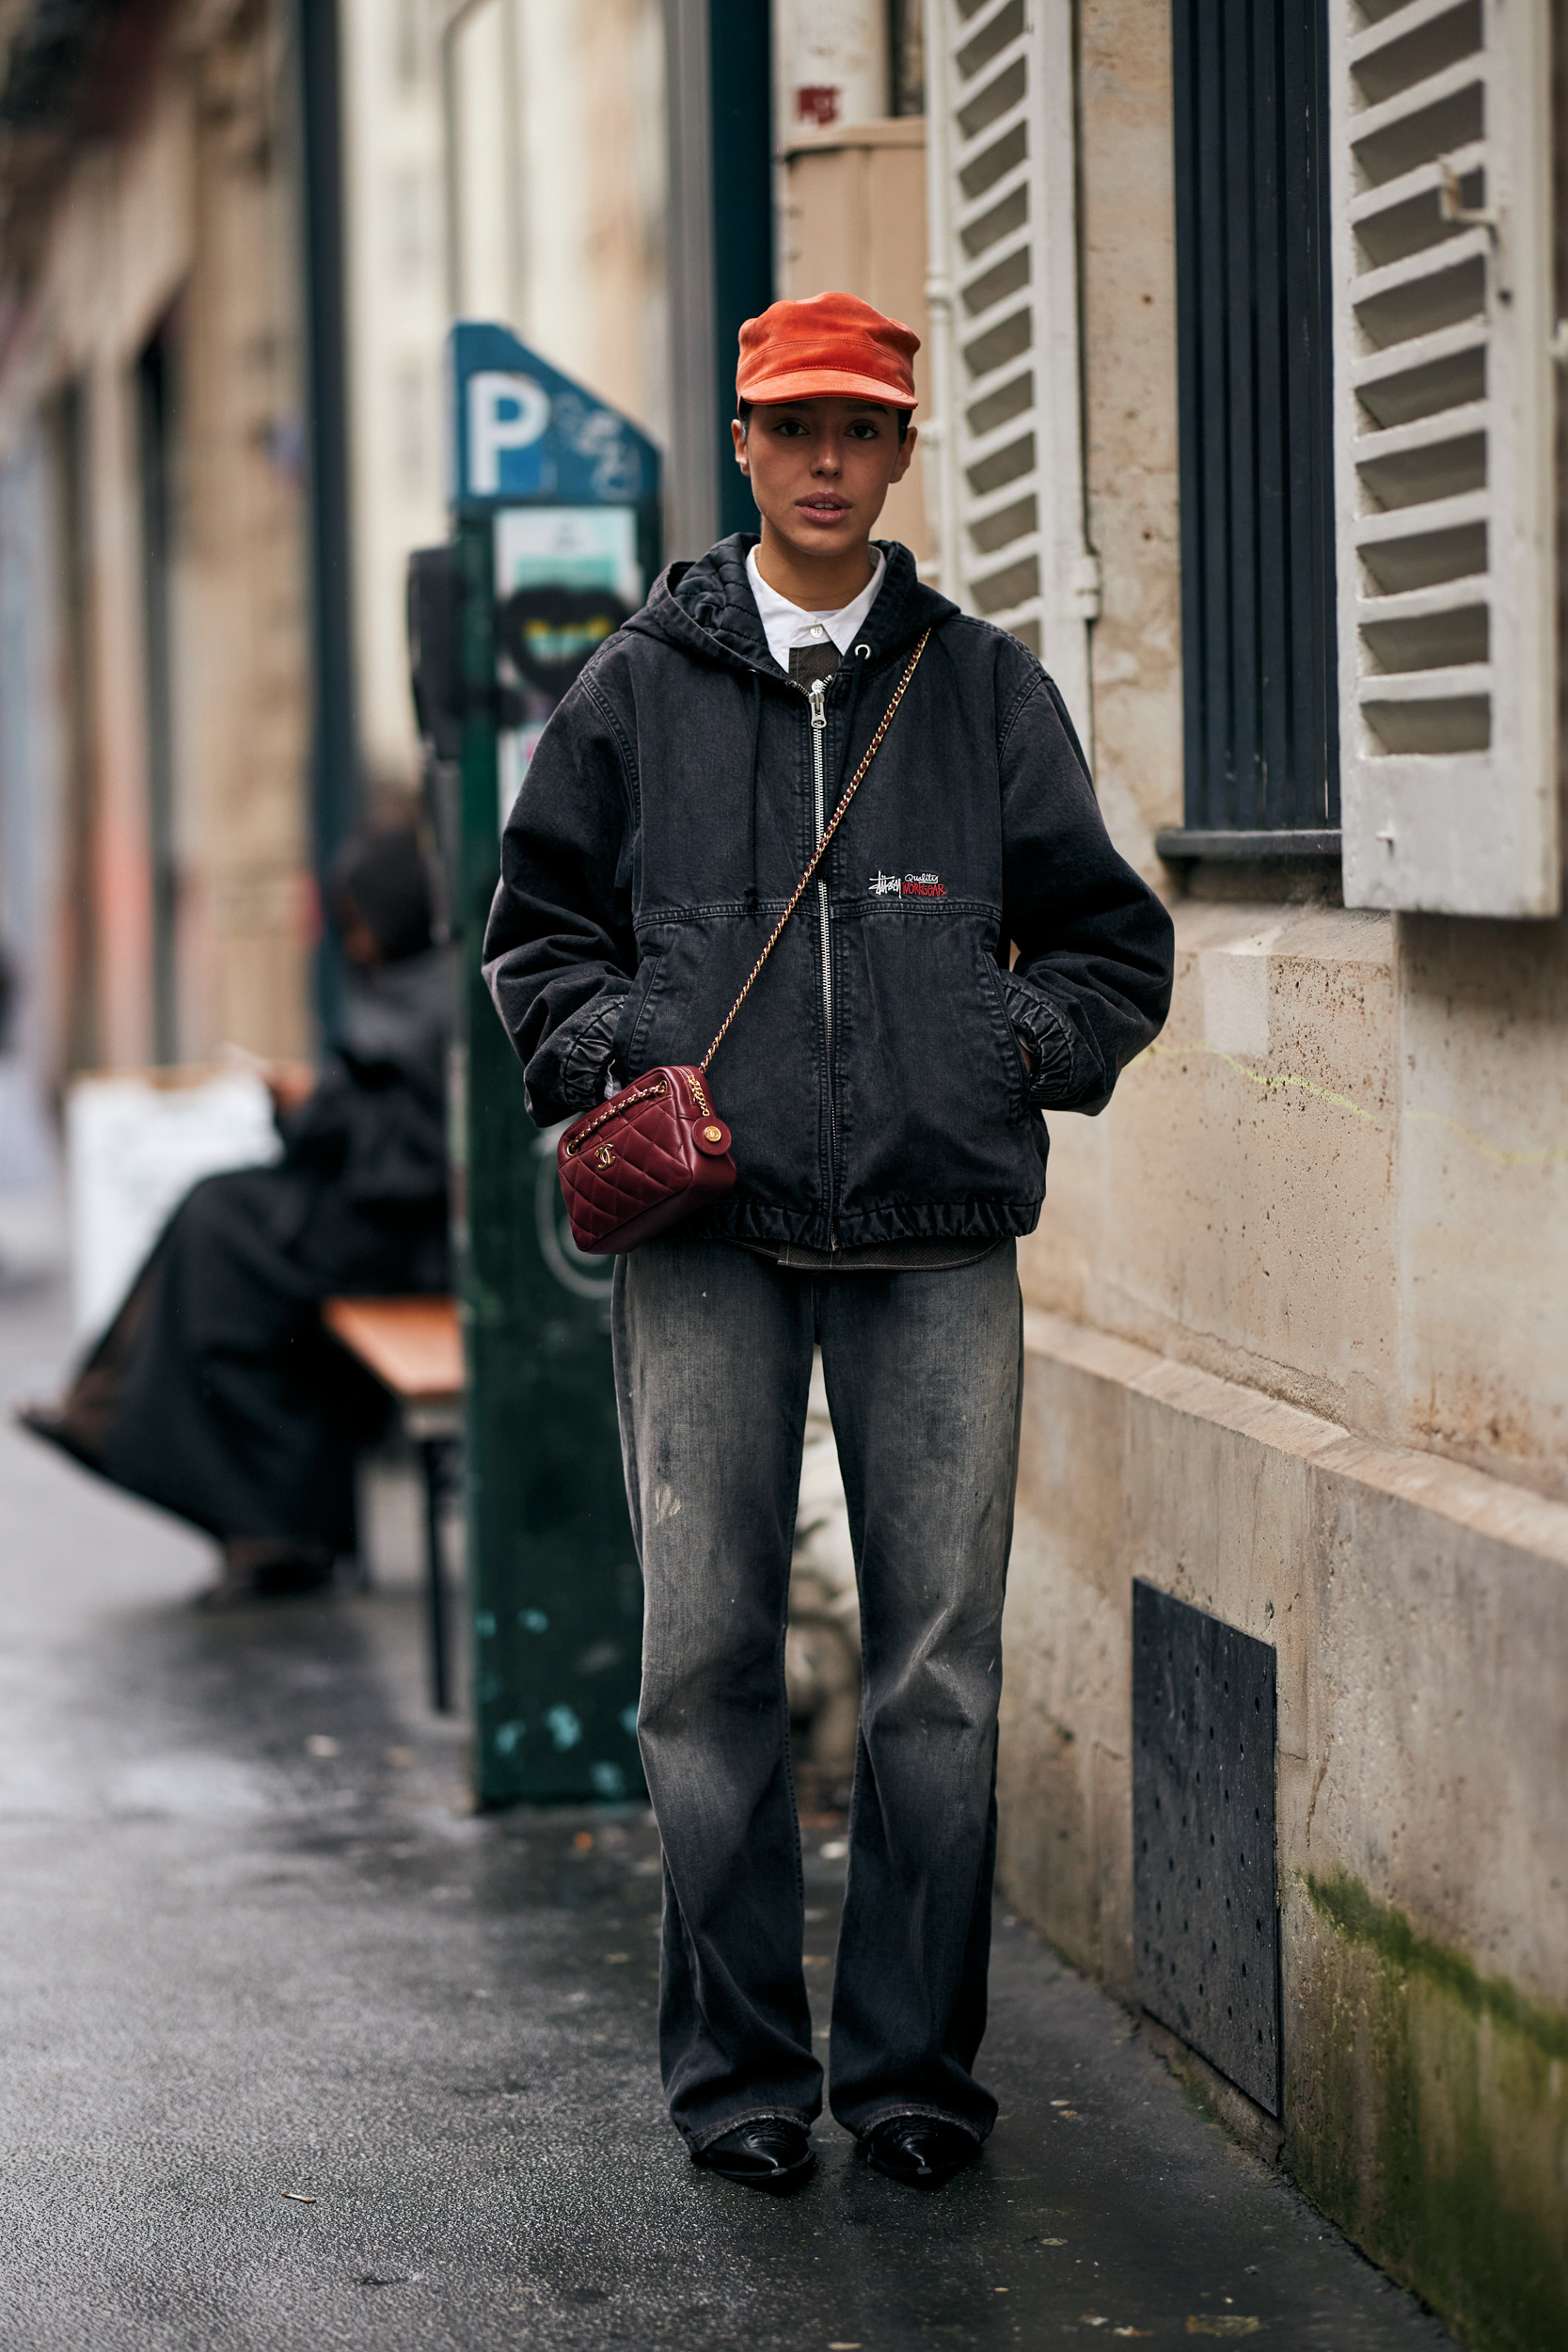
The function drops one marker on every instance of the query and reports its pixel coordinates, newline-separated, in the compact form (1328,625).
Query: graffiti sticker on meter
(549,634)
(566,576)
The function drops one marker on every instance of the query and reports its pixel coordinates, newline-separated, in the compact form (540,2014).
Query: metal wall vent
(1205,1911)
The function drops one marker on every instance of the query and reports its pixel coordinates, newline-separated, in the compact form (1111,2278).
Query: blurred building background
(1240,406)
(154,649)
(233,237)
(506,160)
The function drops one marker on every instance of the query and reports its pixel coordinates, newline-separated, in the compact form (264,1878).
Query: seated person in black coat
(217,1392)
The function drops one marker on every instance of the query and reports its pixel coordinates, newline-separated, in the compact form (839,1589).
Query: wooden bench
(414,1349)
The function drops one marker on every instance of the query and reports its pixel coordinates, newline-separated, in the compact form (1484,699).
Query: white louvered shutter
(1003,297)
(1443,453)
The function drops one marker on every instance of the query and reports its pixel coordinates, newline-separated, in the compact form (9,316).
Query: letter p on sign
(505,413)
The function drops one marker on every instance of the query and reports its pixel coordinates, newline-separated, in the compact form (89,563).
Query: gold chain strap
(828,831)
(622,1102)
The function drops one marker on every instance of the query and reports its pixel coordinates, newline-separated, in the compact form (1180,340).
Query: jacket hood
(707,608)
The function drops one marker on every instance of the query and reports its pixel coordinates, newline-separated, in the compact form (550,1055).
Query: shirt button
(819,630)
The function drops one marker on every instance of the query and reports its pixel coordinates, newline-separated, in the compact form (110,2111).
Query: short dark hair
(743,410)
(380,877)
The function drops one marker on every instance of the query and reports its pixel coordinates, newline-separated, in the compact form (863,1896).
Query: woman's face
(820,469)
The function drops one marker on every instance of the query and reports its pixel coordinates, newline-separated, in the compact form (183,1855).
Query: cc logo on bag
(714,1134)
(604,1156)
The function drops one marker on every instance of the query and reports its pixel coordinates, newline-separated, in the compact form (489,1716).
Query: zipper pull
(817,690)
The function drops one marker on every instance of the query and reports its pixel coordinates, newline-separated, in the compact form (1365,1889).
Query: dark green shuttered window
(1254,300)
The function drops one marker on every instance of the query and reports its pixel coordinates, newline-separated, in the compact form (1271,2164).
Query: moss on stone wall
(1427,2115)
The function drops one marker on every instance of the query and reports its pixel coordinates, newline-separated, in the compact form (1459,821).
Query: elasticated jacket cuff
(583,1042)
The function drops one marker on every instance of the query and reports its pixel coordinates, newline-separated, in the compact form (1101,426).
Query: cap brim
(823,384)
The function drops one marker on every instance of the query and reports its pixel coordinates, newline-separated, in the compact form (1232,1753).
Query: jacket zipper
(817,696)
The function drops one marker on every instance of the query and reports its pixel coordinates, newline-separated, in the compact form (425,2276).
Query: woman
(216,1391)
(882,1084)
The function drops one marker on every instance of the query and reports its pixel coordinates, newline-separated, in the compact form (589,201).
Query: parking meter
(555,540)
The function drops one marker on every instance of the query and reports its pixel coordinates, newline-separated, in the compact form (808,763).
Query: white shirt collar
(785,625)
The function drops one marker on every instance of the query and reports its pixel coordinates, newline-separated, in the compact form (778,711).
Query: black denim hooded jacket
(873,1083)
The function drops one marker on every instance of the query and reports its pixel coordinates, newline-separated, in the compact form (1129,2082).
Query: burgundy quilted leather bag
(658,1149)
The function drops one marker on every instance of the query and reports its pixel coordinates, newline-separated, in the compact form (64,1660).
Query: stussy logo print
(907,886)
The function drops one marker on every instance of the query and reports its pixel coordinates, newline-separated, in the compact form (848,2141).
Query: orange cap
(830,343)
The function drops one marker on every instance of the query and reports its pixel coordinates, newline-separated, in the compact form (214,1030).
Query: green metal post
(553,1582)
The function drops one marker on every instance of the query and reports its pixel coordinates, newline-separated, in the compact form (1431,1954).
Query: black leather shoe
(772,2154)
(919,2150)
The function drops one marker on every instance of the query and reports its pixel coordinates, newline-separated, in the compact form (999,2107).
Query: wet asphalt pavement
(298,2052)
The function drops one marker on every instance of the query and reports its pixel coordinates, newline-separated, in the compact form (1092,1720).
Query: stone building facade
(154,644)
(1298,1304)
(162,568)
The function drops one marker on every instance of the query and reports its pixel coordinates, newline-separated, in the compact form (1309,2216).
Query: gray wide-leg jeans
(713,1359)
